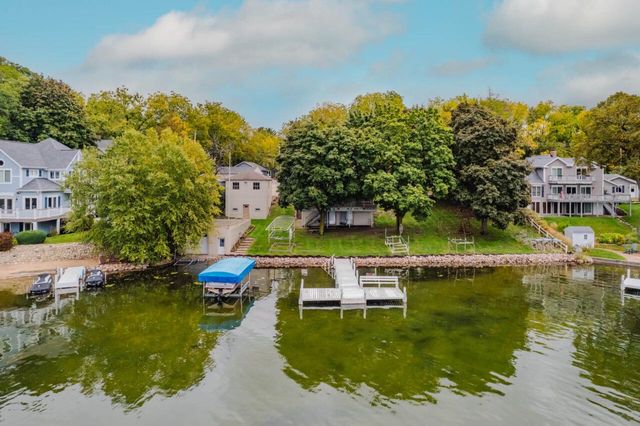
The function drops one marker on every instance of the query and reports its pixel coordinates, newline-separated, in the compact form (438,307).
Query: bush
(632,238)
(31,237)
(6,241)
(611,238)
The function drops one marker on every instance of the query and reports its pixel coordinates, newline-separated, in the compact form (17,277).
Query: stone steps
(243,246)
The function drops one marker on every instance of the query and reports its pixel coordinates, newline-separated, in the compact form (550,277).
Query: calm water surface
(496,346)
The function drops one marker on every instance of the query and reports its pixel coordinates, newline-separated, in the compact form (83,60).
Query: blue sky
(272,60)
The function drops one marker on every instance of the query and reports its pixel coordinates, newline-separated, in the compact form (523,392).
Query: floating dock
(353,291)
(630,286)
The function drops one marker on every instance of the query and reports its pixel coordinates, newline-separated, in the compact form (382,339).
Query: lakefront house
(562,186)
(249,190)
(31,178)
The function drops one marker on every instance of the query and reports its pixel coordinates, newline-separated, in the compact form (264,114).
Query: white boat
(629,285)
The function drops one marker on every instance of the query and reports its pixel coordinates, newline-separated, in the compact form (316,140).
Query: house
(104,144)
(561,186)
(31,178)
(249,191)
(580,236)
(221,238)
(348,214)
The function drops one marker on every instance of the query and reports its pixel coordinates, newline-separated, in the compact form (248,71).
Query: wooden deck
(352,291)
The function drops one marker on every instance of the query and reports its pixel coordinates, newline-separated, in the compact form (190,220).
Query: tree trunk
(399,217)
(323,215)
(484,226)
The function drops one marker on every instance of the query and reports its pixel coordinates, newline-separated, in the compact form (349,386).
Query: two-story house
(31,177)
(249,190)
(560,186)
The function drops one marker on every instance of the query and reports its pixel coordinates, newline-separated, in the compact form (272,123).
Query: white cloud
(590,82)
(206,55)
(556,26)
(462,67)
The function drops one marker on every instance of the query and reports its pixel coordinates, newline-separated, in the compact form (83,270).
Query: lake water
(502,346)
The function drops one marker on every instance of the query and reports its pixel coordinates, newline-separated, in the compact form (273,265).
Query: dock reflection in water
(537,345)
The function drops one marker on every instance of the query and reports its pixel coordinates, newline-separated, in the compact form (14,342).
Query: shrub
(632,238)
(6,241)
(611,238)
(31,237)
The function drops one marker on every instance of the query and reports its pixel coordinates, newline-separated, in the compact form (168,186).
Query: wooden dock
(352,291)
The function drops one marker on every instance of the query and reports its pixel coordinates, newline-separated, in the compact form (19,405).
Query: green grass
(634,219)
(604,254)
(600,225)
(425,237)
(74,237)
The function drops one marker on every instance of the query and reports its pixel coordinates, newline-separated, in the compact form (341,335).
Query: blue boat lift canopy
(231,270)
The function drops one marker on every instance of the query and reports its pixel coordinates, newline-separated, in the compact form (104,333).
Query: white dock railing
(379,281)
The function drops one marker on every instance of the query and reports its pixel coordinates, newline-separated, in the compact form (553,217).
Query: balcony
(576,180)
(607,198)
(33,215)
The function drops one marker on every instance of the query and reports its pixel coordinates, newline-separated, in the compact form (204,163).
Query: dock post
(341,311)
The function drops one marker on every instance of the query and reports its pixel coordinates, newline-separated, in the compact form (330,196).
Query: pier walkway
(353,291)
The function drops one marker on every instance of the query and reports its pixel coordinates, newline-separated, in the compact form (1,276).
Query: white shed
(580,236)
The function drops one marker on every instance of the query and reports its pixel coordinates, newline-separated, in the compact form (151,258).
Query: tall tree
(13,78)
(152,194)
(316,168)
(403,154)
(111,113)
(50,108)
(612,134)
(491,178)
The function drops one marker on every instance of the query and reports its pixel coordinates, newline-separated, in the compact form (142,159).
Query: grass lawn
(425,237)
(604,254)
(74,237)
(634,219)
(600,225)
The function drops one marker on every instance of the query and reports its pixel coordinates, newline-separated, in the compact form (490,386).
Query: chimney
(553,153)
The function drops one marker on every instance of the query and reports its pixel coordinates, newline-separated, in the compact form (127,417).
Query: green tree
(111,113)
(404,155)
(612,134)
(491,179)
(316,168)
(13,78)
(50,108)
(152,195)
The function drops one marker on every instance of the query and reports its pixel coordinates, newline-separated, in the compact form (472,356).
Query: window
(585,190)
(618,189)
(587,208)
(586,237)
(556,172)
(582,171)
(235,209)
(536,191)
(256,186)
(556,190)
(30,203)
(40,172)
(235,185)
(1,163)
(52,202)
(257,209)
(5,176)
(221,242)
(27,226)
(54,175)
(6,204)
(572,190)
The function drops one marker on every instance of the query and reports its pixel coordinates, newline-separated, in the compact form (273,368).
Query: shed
(580,236)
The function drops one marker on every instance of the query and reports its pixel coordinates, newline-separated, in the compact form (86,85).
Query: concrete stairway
(243,246)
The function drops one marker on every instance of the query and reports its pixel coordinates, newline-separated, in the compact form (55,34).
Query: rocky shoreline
(445,260)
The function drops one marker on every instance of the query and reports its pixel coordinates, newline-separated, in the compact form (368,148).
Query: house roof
(241,167)
(578,229)
(253,165)
(47,154)
(610,176)
(249,175)
(40,184)
(104,144)
(545,160)
(534,178)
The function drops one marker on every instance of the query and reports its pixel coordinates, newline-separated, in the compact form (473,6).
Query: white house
(580,236)
(222,237)
(249,191)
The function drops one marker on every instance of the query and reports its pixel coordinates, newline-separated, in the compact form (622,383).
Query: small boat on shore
(95,278)
(41,286)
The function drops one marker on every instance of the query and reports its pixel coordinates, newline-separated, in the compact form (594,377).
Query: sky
(274,60)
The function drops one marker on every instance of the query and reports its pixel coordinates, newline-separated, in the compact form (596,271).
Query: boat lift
(229,277)
(629,286)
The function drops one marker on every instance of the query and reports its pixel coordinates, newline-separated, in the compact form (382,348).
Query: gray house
(249,190)
(561,186)
(31,177)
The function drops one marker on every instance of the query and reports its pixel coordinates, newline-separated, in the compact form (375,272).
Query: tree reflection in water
(459,335)
(131,343)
